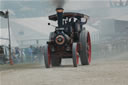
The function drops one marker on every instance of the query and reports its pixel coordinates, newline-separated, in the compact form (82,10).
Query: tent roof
(4,40)
(121,18)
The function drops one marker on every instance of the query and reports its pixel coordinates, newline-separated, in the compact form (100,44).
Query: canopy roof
(69,14)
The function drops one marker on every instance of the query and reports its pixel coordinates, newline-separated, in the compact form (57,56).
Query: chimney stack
(60,16)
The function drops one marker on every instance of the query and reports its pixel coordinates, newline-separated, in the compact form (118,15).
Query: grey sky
(38,8)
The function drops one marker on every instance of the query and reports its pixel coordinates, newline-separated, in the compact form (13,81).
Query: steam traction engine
(69,40)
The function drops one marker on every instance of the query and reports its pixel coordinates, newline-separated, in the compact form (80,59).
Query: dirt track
(105,72)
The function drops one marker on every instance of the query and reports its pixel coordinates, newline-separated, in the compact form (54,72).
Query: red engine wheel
(47,56)
(85,48)
(89,48)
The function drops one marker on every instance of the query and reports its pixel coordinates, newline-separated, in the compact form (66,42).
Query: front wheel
(75,54)
(47,56)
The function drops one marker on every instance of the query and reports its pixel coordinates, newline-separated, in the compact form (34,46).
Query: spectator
(14,57)
(1,55)
(17,53)
(30,53)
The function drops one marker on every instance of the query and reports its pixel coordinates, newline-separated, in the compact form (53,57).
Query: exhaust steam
(59,3)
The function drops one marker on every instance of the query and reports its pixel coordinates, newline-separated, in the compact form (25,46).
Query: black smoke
(59,3)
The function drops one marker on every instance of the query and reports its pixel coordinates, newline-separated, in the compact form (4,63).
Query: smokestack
(60,16)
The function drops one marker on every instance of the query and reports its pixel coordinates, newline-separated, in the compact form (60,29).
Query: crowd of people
(33,54)
(27,55)
(111,48)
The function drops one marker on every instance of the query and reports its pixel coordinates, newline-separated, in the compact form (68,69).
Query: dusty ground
(101,72)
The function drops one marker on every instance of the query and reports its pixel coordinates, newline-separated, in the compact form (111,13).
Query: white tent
(4,40)
(37,25)
(29,31)
(122,18)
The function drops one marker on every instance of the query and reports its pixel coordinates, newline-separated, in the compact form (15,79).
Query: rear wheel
(75,54)
(47,56)
(89,47)
(85,48)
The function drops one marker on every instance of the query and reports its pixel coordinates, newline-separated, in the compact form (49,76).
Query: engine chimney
(60,16)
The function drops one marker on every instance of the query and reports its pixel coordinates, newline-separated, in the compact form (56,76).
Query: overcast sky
(38,8)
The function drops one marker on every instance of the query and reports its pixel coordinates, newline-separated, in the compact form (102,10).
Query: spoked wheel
(85,48)
(75,54)
(47,56)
